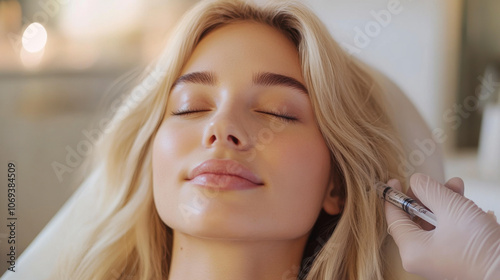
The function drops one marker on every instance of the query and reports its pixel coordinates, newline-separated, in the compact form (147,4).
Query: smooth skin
(258,233)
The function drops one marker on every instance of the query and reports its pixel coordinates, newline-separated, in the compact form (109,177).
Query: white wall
(415,43)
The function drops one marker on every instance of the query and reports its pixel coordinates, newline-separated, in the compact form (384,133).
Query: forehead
(245,46)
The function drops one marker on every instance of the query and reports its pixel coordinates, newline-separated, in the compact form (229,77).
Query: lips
(224,174)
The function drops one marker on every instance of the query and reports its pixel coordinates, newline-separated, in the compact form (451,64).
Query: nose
(225,130)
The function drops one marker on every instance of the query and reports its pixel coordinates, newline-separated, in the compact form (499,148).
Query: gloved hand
(465,243)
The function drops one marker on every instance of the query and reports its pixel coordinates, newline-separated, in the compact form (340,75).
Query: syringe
(405,202)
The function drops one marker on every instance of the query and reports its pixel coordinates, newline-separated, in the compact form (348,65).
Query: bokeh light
(34,38)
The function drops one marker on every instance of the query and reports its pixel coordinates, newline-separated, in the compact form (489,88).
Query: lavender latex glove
(465,243)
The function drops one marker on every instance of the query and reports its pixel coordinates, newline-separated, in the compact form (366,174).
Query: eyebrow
(260,78)
(273,79)
(204,78)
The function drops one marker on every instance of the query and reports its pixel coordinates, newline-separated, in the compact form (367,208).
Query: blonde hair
(123,235)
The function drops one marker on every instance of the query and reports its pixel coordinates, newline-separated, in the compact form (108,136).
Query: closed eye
(282,116)
(185,112)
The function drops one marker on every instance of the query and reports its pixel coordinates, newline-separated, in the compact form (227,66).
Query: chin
(218,228)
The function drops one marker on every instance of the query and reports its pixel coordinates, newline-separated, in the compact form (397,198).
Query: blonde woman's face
(239,154)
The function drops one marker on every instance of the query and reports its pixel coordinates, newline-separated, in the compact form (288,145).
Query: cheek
(171,147)
(304,158)
(299,168)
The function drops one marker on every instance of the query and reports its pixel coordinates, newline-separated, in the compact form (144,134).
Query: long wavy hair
(123,237)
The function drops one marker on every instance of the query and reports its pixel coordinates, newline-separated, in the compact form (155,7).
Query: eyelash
(184,112)
(280,115)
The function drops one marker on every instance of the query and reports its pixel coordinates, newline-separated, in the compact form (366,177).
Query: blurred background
(63,64)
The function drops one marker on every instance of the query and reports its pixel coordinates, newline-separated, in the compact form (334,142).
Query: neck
(210,259)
